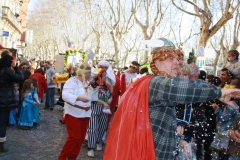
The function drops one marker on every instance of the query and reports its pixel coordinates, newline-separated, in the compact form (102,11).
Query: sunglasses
(24,67)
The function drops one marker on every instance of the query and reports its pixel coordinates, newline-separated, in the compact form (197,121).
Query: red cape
(123,84)
(130,136)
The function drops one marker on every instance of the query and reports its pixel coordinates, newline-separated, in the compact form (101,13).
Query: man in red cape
(144,126)
(129,75)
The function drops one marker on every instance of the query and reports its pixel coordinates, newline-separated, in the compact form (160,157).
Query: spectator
(7,97)
(233,64)
(234,134)
(50,100)
(202,75)
(225,117)
(13,112)
(42,84)
(226,76)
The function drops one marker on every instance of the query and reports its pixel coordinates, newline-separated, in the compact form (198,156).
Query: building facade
(13,20)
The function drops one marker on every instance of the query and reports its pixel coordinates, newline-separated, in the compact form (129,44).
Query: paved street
(43,142)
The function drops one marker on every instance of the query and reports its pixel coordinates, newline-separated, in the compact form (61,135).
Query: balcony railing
(8,15)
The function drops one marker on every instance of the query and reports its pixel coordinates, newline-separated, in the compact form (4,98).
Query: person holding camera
(9,74)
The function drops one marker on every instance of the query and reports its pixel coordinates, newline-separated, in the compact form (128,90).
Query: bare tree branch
(183,10)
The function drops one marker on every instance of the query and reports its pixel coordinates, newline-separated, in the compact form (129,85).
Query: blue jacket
(225,118)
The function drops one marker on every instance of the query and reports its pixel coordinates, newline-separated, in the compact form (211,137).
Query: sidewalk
(43,142)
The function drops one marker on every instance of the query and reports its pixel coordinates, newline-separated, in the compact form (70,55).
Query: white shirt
(71,90)
(130,77)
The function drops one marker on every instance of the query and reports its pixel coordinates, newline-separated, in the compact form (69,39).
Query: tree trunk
(215,63)
(224,57)
(125,59)
(117,51)
(98,47)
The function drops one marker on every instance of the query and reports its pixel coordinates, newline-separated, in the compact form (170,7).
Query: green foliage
(192,57)
(73,52)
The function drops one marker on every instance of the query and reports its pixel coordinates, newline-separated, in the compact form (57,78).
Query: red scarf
(130,136)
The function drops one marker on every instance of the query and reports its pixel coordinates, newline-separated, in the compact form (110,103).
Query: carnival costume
(127,78)
(76,117)
(13,112)
(36,107)
(144,126)
(27,114)
(98,121)
(114,83)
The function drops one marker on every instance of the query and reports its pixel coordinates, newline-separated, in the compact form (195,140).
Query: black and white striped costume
(98,121)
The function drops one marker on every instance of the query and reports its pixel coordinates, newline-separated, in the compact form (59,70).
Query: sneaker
(99,146)
(90,153)
(51,108)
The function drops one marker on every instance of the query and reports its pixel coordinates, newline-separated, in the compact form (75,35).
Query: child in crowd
(27,116)
(234,145)
(13,112)
(36,98)
(233,64)
(225,117)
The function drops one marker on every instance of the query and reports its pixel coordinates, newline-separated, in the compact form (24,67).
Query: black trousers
(4,117)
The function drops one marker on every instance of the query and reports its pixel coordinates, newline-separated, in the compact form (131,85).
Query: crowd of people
(175,112)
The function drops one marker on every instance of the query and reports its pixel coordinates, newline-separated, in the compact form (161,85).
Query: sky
(31,5)
(185,29)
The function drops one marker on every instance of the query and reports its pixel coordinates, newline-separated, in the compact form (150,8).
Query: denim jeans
(4,116)
(50,100)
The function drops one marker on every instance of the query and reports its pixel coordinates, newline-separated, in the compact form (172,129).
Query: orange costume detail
(133,141)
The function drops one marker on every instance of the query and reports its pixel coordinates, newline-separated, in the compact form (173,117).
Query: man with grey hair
(194,71)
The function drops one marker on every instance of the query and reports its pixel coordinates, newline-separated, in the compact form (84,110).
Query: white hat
(111,79)
(104,63)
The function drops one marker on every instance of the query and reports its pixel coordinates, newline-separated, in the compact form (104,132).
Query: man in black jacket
(9,74)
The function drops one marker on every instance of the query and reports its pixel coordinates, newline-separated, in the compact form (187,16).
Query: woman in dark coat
(9,74)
